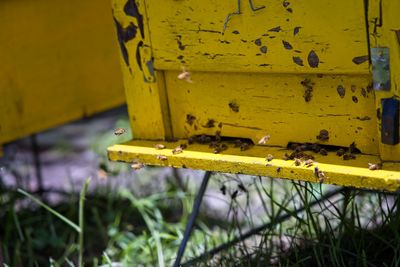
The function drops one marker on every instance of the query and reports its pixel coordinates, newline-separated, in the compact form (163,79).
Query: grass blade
(55,213)
(81,219)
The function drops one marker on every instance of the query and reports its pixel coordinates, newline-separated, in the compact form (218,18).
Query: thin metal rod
(258,229)
(192,218)
(36,162)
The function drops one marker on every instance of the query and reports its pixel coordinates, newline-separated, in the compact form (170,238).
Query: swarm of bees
(119,131)
(185,75)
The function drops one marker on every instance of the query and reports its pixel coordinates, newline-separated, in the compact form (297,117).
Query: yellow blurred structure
(292,71)
(58,62)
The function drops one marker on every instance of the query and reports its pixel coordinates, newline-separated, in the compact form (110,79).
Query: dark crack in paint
(287,45)
(131,9)
(298,61)
(313,59)
(276,29)
(360,59)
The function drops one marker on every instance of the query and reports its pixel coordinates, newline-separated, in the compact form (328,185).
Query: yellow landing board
(253,162)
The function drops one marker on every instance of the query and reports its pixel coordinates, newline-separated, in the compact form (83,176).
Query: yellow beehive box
(58,62)
(308,76)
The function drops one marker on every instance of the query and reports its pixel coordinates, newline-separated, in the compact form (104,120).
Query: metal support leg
(192,218)
(36,162)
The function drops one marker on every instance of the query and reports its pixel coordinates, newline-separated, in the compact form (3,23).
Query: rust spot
(263,49)
(313,59)
(287,45)
(296,30)
(180,57)
(354,98)
(210,124)
(258,42)
(360,59)
(276,29)
(190,119)
(234,106)
(298,61)
(341,91)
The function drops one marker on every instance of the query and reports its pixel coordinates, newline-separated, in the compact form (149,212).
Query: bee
(308,163)
(177,150)
(183,146)
(264,140)
(161,157)
(374,166)
(286,157)
(297,162)
(321,176)
(119,131)
(159,146)
(185,75)
(137,165)
(323,135)
(218,136)
(269,157)
(348,156)
(219,148)
(340,152)
(244,146)
(237,143)
(278,170)
(323,152)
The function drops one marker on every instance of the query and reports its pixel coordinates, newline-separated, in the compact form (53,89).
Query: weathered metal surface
(59,62)
(252,161)
(293,72)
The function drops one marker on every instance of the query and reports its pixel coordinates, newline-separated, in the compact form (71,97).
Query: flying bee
(264,139)
(374,166)
(137,165)
(161,157)
(119,131)
(159,146)
(269,157)
(185,75)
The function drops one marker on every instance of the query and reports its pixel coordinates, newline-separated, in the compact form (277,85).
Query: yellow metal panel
(145,94)
(274,104)
(190,32)
(242,89)
(253,162)
(58,62)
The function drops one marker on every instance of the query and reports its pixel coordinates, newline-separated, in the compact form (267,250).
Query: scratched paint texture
(288,70)
(321,36)
(58,62)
